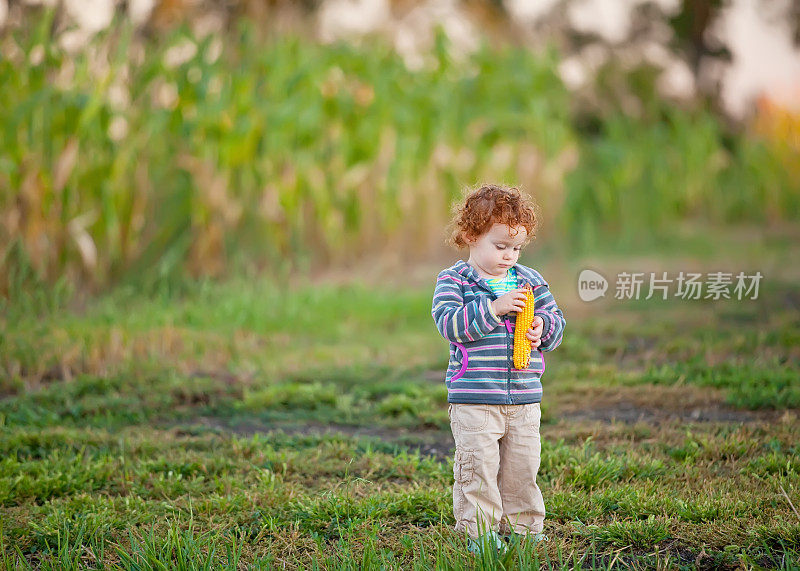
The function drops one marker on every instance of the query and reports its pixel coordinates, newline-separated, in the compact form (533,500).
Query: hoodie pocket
(464,362)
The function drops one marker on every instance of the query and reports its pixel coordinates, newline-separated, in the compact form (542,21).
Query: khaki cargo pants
(498,452)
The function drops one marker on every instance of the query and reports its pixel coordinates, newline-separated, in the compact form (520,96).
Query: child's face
(497,250)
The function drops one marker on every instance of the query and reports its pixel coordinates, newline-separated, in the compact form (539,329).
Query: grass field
(238,425)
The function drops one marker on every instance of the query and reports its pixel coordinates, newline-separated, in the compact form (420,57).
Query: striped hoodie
(481,367)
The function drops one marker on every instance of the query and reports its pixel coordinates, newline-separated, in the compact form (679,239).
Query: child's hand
(508,302)
(535,331)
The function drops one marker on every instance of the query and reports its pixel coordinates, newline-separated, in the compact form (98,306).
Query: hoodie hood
(525,275)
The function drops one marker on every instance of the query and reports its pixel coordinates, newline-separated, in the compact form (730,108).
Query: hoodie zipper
(510,353)
(509,338)
(509,358)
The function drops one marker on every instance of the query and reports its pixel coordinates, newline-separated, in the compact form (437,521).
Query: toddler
(494,408)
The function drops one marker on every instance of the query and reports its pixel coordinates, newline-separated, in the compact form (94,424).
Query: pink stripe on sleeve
(499,391)
(451,278)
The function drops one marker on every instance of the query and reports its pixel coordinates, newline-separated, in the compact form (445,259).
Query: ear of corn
(522,345)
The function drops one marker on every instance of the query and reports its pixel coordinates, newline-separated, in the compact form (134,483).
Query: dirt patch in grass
(437,443)
(654,404)
(631,413)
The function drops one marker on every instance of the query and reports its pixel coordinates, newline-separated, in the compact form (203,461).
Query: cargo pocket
(464,466)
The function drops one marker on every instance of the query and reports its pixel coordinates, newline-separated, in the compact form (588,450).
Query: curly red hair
(491,204)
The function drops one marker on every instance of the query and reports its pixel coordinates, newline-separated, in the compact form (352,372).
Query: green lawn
(240,426)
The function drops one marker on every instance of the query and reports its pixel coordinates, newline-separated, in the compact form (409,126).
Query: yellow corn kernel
(522,345)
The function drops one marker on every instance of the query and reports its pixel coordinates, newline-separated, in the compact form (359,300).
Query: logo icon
(591,285)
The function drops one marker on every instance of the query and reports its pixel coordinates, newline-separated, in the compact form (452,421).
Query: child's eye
(500,247)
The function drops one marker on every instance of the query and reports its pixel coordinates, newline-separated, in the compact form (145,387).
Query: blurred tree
(691,26)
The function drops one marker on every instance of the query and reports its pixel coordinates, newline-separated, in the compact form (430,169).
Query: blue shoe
(533,537)
(485,542)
